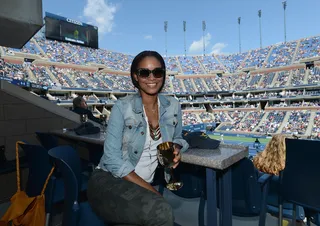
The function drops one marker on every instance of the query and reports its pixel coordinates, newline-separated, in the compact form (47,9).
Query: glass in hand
(83,118)
(103,118)
(165,154)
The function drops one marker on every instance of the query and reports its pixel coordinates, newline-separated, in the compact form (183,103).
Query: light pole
(184,30)
(239,22)
(203,31)
(165,30)
(284,3)
(259,14)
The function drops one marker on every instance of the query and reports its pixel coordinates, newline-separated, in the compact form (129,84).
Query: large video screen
(65,29)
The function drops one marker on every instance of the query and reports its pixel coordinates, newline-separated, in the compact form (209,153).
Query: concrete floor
(186,213)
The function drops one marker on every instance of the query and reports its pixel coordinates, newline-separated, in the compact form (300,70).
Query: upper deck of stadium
(69,65)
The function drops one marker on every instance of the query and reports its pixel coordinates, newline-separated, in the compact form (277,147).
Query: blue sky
(130,26)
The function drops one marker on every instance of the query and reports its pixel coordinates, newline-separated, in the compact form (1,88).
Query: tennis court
(246,141)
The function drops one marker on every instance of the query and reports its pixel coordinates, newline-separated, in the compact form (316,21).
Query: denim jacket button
(142,133)
(135,152)
(130,127)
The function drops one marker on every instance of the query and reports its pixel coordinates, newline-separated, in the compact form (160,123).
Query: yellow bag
(24,210)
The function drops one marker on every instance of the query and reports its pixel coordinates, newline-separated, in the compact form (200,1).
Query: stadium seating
(65,66)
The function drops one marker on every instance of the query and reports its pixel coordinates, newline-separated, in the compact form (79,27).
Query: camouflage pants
(121,202)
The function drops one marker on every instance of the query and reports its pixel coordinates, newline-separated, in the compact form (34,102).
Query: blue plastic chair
(273,202)
(49,141)
(75,213)
(299,181)
(39,168)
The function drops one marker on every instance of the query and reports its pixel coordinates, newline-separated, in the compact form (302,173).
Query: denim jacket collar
(138,108)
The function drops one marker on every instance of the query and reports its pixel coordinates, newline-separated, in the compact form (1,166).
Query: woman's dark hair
(139,58)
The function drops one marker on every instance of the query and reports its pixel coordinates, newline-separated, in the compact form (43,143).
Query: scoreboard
(69,30)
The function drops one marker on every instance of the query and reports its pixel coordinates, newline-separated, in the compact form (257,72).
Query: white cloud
(101,13)
(197,46)
(148,37)
(218,47)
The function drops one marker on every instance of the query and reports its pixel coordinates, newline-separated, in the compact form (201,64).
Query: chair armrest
(264,179)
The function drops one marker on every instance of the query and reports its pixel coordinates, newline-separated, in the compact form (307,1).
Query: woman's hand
(177,154)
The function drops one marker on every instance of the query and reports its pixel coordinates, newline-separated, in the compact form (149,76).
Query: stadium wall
(21,115)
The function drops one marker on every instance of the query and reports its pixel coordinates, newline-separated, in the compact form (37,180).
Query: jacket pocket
(170,125)
(131,127)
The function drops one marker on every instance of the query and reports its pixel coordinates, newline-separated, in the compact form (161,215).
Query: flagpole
(184,30)
(239,22)
(165,30)
(259,14)
(284,3)
(203,31)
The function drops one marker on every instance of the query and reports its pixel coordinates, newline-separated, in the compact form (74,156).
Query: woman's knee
(161,214)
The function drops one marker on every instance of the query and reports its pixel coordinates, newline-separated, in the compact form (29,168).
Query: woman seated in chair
(119,191)
(272,159)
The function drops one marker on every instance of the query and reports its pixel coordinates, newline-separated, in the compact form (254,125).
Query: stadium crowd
(207,78)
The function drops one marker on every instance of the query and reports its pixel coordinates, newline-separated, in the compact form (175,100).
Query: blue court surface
(252,150)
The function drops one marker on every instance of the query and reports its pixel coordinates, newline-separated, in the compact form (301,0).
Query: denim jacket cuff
(124,170)
(184,145)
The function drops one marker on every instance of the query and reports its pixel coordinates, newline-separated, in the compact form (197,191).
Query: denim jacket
(126,132)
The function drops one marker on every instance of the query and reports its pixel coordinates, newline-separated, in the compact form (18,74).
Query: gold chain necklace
(152,110)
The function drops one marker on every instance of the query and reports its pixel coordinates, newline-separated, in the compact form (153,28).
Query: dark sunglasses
(145,72)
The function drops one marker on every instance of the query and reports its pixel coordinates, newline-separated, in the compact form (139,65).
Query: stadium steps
(284,121)
(267,58)
(296,51)
(39,48)
(99,77)
(96,112)
(261,79)
(275,77)
(245,116)
(228,116)
(305,79)
(249,80)
(311,123)
(238,80)
(217,59)
(261,121)
(89,81)
(182,85)
(170,85)
(216,84)
(198,118)
(53,78)
(71,77)
(106,112)
(32,77)
(243,64)
(194,85)
(204,84)
(289,78)
(179,65)
(201,65)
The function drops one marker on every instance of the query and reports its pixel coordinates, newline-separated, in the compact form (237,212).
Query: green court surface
(241,139)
